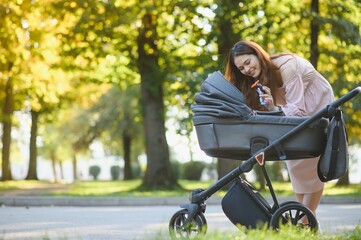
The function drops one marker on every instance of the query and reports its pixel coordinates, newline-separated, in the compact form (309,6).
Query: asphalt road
(134,222)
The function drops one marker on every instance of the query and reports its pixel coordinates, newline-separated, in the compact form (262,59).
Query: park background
(111,82)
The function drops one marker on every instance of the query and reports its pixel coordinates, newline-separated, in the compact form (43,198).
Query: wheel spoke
(290,216)
(178,224)
(297,218)
(183,218)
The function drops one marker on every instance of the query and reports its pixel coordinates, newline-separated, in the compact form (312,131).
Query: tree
(165,49)
(225,35)
(120,124)
(189,52)
(55,146)
(342,22)
(158,173)
(314,33)
(14,52)
(6,134)
(32,171)
(107,49)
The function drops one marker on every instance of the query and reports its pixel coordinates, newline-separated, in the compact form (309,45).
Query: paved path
(27,201)
(134,222)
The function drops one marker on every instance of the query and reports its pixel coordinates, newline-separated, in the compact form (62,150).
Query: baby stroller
(227,128)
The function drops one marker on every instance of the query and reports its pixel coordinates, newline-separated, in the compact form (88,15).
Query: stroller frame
(190,221)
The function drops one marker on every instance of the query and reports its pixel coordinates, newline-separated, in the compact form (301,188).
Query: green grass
(130,188)
(285,233)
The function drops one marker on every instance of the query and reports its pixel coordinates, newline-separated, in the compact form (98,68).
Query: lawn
(130,188)
(285,233)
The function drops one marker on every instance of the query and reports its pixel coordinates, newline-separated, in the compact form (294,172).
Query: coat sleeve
(294,89)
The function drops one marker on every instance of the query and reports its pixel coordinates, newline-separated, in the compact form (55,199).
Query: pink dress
(304,93)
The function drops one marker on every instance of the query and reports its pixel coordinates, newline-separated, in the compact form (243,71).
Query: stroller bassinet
(227,128)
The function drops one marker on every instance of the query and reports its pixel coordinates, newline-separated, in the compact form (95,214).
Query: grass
(130,188)
(285,233)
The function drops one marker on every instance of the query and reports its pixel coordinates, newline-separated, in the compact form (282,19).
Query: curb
(26,201)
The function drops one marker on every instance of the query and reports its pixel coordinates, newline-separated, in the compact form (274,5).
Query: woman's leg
(311,200)
(304,178)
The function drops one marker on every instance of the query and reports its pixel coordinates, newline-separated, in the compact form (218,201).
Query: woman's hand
(267,97)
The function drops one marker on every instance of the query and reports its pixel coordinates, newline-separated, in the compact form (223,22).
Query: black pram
(227,128)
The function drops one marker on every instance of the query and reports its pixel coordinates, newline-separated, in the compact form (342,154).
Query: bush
(136,171)
(193,170)
(176,169)
(115,172)
(94,171)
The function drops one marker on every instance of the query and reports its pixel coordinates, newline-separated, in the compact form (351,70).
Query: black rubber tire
(292,214)
(192,230)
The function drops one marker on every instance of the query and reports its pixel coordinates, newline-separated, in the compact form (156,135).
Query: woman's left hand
(267,97)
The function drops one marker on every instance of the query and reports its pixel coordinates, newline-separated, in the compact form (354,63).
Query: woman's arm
(294,89)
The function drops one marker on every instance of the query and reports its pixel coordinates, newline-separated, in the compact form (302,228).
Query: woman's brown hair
(270,75)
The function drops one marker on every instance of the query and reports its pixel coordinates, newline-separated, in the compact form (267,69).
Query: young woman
(291,84)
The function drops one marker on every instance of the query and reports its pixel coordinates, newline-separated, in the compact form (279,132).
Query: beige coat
(305,91)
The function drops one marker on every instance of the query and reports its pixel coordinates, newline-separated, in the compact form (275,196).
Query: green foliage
(76,61)
(193,170)
(352,235)
(176,169)
(115,121)
(115,172)
(94,171)
(137,171)
(287,233)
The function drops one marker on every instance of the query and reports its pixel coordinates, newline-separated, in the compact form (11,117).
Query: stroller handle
(346,97)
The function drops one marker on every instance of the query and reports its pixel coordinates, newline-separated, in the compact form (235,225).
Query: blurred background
(102,89)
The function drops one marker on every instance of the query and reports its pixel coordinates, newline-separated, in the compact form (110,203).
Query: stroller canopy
(220,99)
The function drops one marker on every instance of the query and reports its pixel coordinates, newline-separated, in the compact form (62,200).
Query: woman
(291,84)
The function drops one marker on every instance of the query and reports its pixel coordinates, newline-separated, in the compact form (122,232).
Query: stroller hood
(220,99)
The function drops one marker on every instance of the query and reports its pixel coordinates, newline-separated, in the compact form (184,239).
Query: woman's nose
(247,69)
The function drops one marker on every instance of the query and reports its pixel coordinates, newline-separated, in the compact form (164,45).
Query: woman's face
(248,64)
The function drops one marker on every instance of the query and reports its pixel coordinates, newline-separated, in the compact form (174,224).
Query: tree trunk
(260,177)
(61,170)
(344,181)
(189,143)
(224,22)
(267,26)
(7,125)
(53,166)
(314,33)
(158,173)
(75,169)
(225,40)
(127,140)
(280,166)
(32,171)
(224,166)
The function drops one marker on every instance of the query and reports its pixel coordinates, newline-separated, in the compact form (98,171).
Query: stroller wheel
(179,229)
(296,214)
